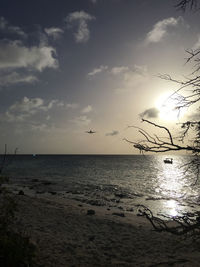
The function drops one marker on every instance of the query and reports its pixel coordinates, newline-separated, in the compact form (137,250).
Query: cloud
(160,29)
(81,120)
(72,105)
(195,116)
(15,78)
(8,28)
(54,32)
(118,70)
(13,54)
(27,107)
(93,1)
(87,109)
(97,70)
(150,113)
(82,35)
(113,133)
(131,77)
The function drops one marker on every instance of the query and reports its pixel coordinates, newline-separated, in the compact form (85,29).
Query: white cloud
(72,105)
(97,70)
(6,27)
(81,121)
(160,29)
(118,70)
(14,78)
(87,109)
(27,107)
(14,54)
(82,35)
(54,32)
(131,77)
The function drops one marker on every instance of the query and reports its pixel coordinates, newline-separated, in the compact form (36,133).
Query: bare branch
(184,4)
(184,224)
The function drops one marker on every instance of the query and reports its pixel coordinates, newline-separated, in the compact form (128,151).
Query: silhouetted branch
(189,222)
(151,144)
(184,4)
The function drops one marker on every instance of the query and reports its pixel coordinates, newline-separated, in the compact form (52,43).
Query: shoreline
(65,234)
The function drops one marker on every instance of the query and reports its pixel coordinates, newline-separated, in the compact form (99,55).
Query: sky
(67,67)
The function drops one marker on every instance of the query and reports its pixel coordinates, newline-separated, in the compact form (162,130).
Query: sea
(120,181)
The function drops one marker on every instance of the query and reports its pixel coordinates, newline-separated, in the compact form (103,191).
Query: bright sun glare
(166,105)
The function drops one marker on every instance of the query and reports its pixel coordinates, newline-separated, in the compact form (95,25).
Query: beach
(70,233)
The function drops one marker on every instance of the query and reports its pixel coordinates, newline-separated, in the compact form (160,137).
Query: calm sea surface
(108,180)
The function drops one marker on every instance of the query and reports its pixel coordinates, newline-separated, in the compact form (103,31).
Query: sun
(167,107)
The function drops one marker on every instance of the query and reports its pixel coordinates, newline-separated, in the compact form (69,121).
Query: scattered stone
(119,195)
(120,208)
(46,183)
(34,180)
(121,214)
(40,192)
(21,192)
(94,202)
(90,212)
(53,192)
(91,238)
(130,209)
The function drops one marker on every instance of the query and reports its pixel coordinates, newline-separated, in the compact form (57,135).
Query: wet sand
(66,234)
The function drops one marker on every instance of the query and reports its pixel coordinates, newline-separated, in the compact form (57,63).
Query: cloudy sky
(70,66)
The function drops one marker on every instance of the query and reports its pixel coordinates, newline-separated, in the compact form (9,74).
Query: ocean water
(121,181)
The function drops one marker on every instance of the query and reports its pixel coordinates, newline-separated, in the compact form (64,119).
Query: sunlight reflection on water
(171,181)
(173,185)
(172,207)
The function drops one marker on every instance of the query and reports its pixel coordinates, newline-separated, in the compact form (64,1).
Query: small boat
(168,160)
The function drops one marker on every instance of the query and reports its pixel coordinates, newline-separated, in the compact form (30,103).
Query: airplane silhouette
(90,132)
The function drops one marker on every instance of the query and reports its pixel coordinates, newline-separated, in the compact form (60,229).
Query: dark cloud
(150,113)
(194,116)
(114,132)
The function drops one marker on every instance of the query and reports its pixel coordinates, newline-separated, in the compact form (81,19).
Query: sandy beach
(67,234)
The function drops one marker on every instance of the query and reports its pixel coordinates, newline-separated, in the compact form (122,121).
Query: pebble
(90,212)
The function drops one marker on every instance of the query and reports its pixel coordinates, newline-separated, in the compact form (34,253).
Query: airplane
(90,132)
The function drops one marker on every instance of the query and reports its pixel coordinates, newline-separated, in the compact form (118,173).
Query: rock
(21,192)
(53,192)
(90,212)
(34,180)
(129,209)
(121,214)
(119,195)
(40,192)
(91,238)
(46,183)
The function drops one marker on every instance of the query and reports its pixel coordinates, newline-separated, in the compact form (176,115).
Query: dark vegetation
(16,250)
(187,95)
